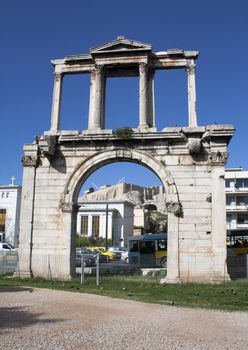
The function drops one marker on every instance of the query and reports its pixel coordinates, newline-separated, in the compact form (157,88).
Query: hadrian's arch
(188,160)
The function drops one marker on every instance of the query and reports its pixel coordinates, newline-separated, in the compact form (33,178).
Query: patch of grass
(232,296)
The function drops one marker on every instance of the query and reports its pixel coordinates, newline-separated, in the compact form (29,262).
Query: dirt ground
(33,318)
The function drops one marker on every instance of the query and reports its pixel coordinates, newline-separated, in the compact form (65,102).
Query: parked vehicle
(110,255)
(121,252)
(238,242)
(6,247)
(148,250)
(89,257)
(102,258)
(124,257)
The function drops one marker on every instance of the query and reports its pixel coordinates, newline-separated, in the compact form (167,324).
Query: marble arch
(189,161)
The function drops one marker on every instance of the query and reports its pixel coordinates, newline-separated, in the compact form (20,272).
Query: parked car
(89,257)
(109,255)
(6,247)
(121,252)
(102,258)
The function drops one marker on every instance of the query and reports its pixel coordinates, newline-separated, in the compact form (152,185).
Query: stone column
(151,106)
(57,89)
(103,102)
(92,100)
(90,225)
(27,212)
(96,99)
(143,89)
(190,69)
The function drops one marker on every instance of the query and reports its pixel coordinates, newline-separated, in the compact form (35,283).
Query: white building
(10,201)
(236,199)
(91,220)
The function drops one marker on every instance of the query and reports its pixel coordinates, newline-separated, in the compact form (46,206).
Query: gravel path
(48,319)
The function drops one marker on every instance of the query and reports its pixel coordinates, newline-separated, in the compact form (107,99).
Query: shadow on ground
(9,289)
(17,317)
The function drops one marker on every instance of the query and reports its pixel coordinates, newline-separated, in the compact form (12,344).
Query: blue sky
(34,32)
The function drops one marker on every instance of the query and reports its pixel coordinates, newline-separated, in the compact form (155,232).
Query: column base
(97,131)
(22,274)
(145,128)
(220,279)
(166,280)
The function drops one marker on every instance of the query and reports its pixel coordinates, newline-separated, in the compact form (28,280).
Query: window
(241,183)
(7,194)
(229,218)
(84,224)
(242,219)
(161,244)
(2,194)
(95,225)
(228,182)
(133,246)
(242,200)
(2,219)
(230,200)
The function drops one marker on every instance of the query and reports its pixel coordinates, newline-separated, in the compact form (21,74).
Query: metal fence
(237,266)
(8,262)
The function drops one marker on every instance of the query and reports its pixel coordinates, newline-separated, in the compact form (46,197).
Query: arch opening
(81,176)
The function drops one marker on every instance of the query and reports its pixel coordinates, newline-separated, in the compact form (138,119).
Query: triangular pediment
(121,44)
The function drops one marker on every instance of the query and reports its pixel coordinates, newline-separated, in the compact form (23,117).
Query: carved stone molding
(57,76)
(172,207)
(142,68)
(98,68)
(48,145)
(218,158)
(209,198)
(29,161)
(190,69)
(68,207)
(194,145)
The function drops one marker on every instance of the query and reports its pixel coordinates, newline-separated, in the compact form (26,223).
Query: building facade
(10,203)
(91,220)
(236,200)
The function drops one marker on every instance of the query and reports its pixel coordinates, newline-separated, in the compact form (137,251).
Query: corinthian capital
(98,68)
(68,207)
(218,158)
(57,76)
(29,161)
(190,69)
(142,67)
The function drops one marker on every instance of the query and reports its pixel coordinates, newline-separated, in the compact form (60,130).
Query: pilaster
(30,162)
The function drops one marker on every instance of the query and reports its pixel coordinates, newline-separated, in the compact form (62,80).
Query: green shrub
(92,241)
(123,133)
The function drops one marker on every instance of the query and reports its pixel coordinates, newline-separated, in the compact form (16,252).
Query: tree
(157,221)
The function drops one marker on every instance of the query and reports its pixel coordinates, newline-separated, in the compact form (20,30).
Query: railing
(8,262)
(237,267)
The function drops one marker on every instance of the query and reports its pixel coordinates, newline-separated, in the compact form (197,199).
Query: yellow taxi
(110,255)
